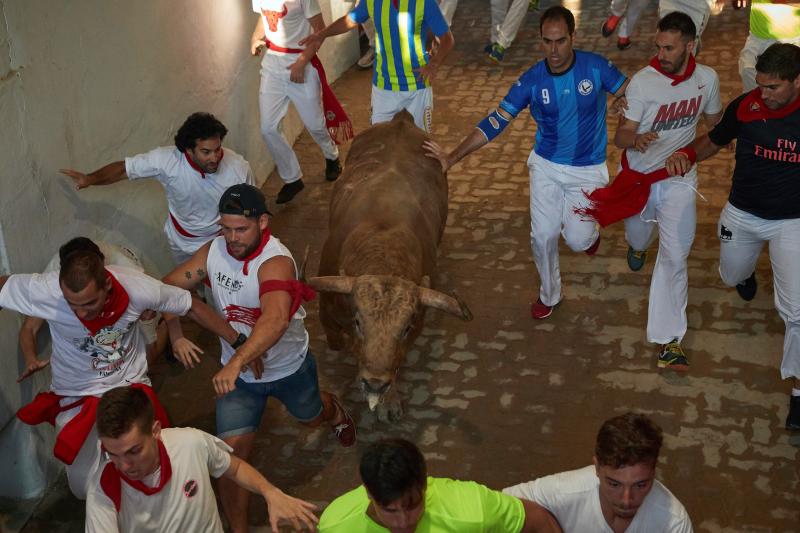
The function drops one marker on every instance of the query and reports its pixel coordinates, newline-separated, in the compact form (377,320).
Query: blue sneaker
(636,259)
(497,53)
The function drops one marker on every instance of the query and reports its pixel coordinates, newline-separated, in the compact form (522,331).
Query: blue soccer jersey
(569,108)
(401,27)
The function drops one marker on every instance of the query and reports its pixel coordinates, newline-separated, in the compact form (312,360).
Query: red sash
(115,305)
(299,291)
(111,479)
(46,406)
(626,196)
(180,229)
(338,123)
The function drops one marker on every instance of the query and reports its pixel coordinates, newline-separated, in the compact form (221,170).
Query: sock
(795,392)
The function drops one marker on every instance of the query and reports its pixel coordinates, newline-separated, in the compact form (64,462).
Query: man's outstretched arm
(111,173)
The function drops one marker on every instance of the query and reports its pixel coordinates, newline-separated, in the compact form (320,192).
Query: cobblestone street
(503,398)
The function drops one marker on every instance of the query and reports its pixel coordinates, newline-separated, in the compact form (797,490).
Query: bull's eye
(407,331)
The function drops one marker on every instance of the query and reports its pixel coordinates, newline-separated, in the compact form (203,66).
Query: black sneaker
(332,169)
(672,357)
(747,289)
(289,191)
(793,418)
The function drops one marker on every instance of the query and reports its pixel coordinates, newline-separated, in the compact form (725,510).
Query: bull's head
(387,318)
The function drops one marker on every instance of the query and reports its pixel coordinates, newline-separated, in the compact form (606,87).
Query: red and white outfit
(671,107)
(630,10)
(192,195)
(285,24)
(178,497)
(236,293)
(89,358)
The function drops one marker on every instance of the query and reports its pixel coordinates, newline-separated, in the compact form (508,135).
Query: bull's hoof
(389,411)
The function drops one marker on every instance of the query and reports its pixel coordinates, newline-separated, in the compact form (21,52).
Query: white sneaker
(367,59)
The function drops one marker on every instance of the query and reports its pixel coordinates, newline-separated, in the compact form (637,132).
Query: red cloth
(115,305)
(46,406)
(338,123)
(676,78)
(179,228)
(299,291)
(111,479)
(198,169)
(626,196)
(264,239)
(752,107)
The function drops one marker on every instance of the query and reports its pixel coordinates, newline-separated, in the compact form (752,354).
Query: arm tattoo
(188,274)
(201,273)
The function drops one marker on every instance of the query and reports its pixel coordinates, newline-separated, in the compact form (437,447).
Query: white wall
(89,82)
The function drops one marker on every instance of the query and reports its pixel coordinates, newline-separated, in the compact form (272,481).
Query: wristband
(241,339)
(493,125)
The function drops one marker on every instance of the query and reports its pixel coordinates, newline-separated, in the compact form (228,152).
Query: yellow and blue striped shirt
(401,27)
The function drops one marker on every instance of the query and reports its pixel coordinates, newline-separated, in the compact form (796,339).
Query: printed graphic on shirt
(190,488)
(107,349)
(272,17)
(677,114)
(243,315)
(227,283)
(785,151)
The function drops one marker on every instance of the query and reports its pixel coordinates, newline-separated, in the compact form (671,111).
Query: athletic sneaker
(345,431)
(488,48)
(609,25)
(673,358)
(636,259)
(497,53)
(590,251)
(623,43)
(289,191)
(793,418)
(747,289)
(332,169)
(367,59)
(533,5)
(540,311)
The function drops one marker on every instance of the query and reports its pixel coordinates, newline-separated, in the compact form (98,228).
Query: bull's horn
(373,400)
(449,304)
(341,284)
(301,274)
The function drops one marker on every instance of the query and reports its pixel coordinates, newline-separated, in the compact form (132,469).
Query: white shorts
(386,104)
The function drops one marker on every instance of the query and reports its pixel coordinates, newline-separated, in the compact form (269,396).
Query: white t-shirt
(83,364)
(236,298)
(185,504)
(286,21)
(192,196)
(672,111)
(573,498)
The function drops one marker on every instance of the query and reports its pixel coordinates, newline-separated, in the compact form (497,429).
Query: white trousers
(629,10)
(754,47)
(556,191)
(275,93)
(671,207)
(742,237)
(506,20)
(88,459)
(386,104)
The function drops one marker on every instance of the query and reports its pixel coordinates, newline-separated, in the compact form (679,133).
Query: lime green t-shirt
(450,506)
(775,20)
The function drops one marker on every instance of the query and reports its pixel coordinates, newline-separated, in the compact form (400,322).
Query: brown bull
(387,214)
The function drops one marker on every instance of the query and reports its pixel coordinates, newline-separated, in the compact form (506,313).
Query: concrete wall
(86,83)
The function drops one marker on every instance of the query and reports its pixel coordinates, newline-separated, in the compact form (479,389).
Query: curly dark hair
(628,440)
(199,126)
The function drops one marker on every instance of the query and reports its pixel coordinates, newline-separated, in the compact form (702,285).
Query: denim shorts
(239,412)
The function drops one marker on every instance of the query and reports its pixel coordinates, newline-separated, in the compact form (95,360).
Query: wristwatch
(241,339)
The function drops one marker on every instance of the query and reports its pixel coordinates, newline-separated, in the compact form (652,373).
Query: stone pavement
(504,399)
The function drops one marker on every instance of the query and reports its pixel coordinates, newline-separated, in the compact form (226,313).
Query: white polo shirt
(192,196)
(84,364)
(573,498)
(185,504)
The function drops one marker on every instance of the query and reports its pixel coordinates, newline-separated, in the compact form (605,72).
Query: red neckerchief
(752,107)
(676,78)
(200,170)
(111,479)
(115,305)
(264,238)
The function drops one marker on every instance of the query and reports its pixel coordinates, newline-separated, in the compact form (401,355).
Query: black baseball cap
(243,199)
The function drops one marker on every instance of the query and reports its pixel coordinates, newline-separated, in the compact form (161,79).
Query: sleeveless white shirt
(236,297)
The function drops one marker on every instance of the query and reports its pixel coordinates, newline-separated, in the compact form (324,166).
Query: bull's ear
(426,282)
(340,284)
(449,304)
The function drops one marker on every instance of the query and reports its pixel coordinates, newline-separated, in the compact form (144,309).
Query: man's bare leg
(234,498)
